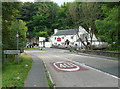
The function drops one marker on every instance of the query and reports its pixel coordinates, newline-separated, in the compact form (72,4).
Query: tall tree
(91,13)
(108,27)
(9,14)
(42,18)
(19,27)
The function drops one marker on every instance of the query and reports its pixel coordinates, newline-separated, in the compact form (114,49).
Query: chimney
(80,27)
(55,31)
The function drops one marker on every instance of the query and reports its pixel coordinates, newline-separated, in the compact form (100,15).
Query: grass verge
(33,49)
(51,85)
(14,75)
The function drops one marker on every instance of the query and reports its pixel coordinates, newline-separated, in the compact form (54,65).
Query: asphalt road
(72,70)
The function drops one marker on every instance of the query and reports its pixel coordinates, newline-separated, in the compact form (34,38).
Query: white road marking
(48,73)
(63,65)
(93,68)
(56,56)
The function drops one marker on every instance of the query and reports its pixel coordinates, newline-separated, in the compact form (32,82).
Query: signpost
(16,52)
(11,51)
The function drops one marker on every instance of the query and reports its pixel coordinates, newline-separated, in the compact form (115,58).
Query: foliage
(20,27)
(42,18)
(33,49)
(42,34)
(9,16)
(108,27)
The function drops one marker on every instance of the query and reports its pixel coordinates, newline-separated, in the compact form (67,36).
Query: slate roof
(66,32)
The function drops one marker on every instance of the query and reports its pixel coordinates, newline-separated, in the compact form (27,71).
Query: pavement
(36,76)
(86,71)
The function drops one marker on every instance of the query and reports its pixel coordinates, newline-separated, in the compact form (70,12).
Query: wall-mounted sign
(59,39)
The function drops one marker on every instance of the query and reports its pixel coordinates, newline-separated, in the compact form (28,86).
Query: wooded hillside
(36,19)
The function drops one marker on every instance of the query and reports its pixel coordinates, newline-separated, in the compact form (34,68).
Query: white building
(60,36)
(41,42)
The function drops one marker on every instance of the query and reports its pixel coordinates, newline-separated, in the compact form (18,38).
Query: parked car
(29,45)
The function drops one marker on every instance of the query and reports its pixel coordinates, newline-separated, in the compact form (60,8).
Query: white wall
(41,38)
(41,44)
(75,38)
(48,44)
(53,40)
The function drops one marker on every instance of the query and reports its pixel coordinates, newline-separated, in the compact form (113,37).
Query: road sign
(17,35)
(67,66)
(11,51)
(16,52)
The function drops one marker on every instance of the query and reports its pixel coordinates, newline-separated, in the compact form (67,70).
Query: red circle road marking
(67,66)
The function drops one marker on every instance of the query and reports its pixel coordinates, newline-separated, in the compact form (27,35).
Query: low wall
(102,53)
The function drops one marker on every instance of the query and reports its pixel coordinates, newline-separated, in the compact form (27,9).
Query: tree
(108,27)
(73,13)
(91,13)
(9,13)
(27,11)
(42,34)
(42,19)
(20,27)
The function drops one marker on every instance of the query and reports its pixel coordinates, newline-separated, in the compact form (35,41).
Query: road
(72,70)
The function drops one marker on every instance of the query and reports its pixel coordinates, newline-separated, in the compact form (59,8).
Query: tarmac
(86,78)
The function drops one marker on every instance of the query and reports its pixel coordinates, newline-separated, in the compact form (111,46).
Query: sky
(59,2)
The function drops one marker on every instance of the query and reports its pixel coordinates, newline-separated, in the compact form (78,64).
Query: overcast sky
(59,2)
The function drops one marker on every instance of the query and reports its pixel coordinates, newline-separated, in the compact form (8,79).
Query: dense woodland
(32,20)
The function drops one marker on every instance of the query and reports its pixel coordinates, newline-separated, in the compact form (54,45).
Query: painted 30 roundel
(66,66)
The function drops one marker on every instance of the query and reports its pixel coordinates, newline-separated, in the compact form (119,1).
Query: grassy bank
(14,75)
(32,49)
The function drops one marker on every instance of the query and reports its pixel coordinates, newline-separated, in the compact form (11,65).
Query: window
(71,37)
(62,43)
(55,38)
(55,43)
